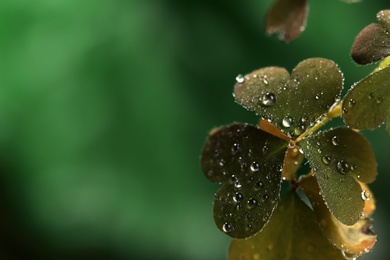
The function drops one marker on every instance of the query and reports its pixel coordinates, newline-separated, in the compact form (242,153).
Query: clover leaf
(249,162)
(291,103)
(354,240)
(373,42)
(292,233)
(287,18)
(339,158)
(367,104)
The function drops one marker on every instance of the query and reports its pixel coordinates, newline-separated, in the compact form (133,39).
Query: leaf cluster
(251,161)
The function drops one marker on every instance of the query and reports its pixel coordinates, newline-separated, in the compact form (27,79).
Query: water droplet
(264,79)
(366,195)
(304,119)
(252,203)
(362,215)
(319,150)
(238,197)
(255,167)
(318,96)
(345,110)
(265,149)
(265,197)
(343,166)
(335,141)
(268,100)
(287,121)
(351,102)
(372,95)
(326,159)
(237,184)
(349,256)
(227,227)
(379,100)
(240,79)
(236,148)
(222,162)
(259,185)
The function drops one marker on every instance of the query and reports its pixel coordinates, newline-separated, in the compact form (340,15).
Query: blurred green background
(105,105)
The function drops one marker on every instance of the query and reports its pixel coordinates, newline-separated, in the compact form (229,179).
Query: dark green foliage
(373,42)
(249,162)
(367,104)
(339,158)
(291,103)
(292,233)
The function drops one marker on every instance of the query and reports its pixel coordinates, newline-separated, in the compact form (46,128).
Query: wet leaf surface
(339,158)
(373,42)
(287,18)
(367,104)
(292,233)
(249,162)
(354,240)
(293,102)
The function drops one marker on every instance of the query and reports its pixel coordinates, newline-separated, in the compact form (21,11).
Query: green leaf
(373,42)
(287,18)
(292,233)
(338,158)
(291,103)
(249,162)
(367,104)
(354,240)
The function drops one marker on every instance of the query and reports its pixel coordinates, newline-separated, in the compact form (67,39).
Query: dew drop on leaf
(268,100)
(326,159)
(259,185)
(287,121)
(351,102)
(335,141)
(227,227)
(240,79)
(252,203)
(255,166)
(264,79)
(236,148)
(238,197)
(222,162)
(349,256)
(343,166)
(366,195)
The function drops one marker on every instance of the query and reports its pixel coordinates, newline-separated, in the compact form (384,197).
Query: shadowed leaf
(373,42)
(291,103)
(249,162)
(292,233)
(287,18)
(367,104)
(354,240)
(339,158)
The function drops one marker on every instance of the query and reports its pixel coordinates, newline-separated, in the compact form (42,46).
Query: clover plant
(252,161)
